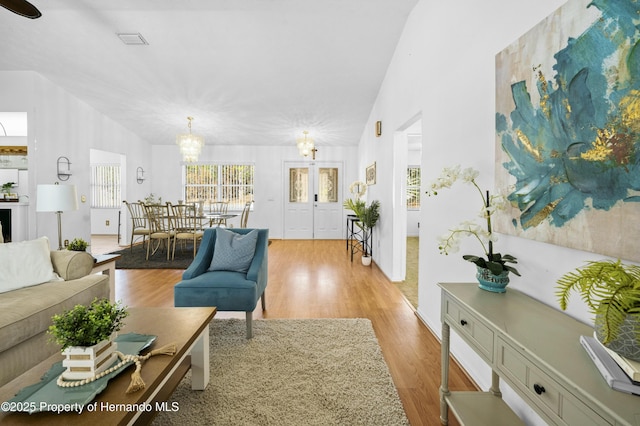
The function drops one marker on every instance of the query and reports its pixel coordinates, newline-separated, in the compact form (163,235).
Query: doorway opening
(409,174)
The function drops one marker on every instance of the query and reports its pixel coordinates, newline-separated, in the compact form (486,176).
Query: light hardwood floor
(316,279)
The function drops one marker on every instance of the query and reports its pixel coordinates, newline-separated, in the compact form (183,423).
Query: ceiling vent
(132,38)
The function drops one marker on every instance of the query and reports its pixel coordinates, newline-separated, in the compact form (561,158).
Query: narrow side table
(106,264)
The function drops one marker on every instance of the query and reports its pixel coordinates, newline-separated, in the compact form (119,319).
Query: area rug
(136,258)
(293,372)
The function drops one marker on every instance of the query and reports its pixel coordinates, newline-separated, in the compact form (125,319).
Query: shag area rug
(137,258)
(293,372)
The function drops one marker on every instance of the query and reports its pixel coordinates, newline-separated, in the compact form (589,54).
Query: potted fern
(611,290)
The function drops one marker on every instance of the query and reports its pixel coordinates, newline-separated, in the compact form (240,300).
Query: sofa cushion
(27,311)
(232,251)
(25,315)
(25,263)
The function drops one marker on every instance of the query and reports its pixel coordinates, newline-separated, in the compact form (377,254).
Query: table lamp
(57,198)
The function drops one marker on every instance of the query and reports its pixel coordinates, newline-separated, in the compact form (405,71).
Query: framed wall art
(371,174)
(568,129)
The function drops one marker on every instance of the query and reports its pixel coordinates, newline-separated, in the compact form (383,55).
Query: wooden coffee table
(187,327)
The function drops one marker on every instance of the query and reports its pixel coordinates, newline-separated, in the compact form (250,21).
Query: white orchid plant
(450,243)
(358,189)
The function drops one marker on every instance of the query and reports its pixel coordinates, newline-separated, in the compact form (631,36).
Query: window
(413,188)
(105,186)
(219,182)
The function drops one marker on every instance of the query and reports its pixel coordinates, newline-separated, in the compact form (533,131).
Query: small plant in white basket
(85,334)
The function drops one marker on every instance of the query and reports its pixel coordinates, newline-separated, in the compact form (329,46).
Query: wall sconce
(62,174)
(139,175)
(378,128)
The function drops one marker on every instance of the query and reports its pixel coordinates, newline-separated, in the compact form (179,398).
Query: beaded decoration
(136,380)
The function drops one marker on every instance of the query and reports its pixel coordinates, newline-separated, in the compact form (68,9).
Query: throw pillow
(233,251)
(25,263)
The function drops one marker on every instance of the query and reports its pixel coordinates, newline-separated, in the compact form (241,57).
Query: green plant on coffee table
(78,244)
(610,289)
(87,325)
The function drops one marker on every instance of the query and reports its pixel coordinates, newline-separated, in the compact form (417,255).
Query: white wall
(61,125)
(445,70)
(166,175)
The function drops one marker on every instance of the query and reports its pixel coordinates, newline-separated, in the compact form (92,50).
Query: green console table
(533,347)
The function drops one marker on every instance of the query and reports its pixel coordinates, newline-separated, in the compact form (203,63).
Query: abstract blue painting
(568,129)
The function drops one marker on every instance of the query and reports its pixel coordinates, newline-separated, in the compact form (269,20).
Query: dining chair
(160,228)
(187,226)
(218,207)
(244,218)
(139,225)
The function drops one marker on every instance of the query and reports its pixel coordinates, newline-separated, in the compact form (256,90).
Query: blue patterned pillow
(233,251)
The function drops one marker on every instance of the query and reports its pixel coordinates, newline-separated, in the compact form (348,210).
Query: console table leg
(200,362)
(495,384)
(444,383)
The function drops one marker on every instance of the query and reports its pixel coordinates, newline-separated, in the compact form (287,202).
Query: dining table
(209,216)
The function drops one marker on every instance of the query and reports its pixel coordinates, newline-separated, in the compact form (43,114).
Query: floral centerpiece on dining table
(491,265)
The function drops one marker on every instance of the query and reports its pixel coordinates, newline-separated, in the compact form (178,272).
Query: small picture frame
(371,174)
(378,128)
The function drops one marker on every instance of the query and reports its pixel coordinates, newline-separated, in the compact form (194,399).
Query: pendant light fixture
(190,144)
(306,145)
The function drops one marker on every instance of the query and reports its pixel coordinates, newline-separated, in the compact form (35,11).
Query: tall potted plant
(368,217)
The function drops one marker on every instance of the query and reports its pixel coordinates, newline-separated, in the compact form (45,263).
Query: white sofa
(35,284)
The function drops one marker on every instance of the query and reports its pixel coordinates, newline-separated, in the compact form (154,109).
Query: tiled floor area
(102,244)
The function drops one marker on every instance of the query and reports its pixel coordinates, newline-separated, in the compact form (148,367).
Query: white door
(313,200)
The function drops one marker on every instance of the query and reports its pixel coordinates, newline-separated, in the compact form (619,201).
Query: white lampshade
(56,198)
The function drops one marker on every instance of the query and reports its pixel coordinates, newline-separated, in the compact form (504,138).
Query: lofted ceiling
(250,72)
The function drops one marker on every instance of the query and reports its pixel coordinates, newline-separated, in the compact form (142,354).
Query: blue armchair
(226,290)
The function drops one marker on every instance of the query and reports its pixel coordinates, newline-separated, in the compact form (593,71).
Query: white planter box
(86,362)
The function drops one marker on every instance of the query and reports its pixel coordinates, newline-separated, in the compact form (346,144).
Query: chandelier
(306,146)
(190,144)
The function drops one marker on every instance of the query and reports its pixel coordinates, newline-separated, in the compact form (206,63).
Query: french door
(313,200)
